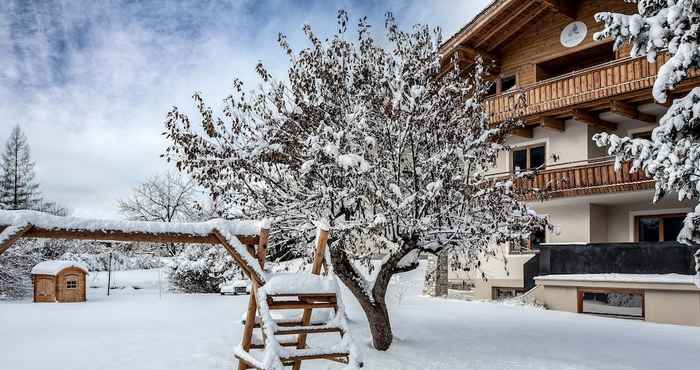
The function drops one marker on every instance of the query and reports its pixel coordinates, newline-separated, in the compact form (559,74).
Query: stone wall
(436,282)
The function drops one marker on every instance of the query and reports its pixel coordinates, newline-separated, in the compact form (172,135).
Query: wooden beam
(490,60)
(10,239)
(566,8)
(121,236)
(630,111)
(242,262)
(593,120)
(552,123)
(509,27)
(525,132)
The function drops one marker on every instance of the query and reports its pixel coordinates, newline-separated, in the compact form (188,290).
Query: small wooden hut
(59,281)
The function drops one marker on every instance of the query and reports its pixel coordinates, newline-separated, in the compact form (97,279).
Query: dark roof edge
(482,14)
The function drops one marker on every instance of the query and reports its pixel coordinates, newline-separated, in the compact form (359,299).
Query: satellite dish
(573,34)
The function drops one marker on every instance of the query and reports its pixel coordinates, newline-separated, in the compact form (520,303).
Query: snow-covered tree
(368,140)
(166,198)
(202,269)
(672,156)
(18,186)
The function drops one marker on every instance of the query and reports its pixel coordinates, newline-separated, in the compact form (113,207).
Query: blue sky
(90,81)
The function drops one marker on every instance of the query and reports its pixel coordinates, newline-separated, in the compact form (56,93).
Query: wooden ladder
(292,329)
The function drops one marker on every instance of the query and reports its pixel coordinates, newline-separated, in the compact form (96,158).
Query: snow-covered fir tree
(18,186)
(672,156)
(369,140)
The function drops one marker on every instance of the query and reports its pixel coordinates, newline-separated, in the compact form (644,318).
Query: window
(529,157)
(536,238)
(505,293)
(586,58)
(611,302)
(659,228)
(508,83)
(502,84)
(71,284)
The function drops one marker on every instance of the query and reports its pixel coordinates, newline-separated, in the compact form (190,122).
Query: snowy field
(144,327)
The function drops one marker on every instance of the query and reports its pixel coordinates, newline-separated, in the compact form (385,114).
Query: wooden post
(262,246)
(260,253)
(109,270)
(320,254)
(319,257)
(249,324)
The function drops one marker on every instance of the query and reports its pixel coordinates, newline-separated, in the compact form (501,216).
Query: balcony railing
(602,81)
(587,177)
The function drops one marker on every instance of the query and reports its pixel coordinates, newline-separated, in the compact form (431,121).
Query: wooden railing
(592,176)
(602,81)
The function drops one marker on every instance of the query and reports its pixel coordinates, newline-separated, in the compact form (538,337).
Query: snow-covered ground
(153,329)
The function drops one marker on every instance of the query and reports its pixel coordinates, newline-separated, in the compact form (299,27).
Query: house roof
(483,13)
(499,22)
(55,267)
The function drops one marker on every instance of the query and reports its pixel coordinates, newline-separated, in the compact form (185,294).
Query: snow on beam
(233,235)
(58,227)
(9,234)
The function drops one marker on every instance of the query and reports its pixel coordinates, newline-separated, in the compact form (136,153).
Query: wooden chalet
(542,52)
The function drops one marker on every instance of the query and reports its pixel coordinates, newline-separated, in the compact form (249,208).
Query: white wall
(572,222)
(621,216)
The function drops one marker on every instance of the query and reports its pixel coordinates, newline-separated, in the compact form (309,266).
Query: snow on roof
(622,278)
(54,267)
(47,221)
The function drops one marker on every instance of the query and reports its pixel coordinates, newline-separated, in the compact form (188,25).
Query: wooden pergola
(247,248)
(255,244)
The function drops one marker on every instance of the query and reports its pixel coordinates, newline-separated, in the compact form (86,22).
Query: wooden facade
(545,83)
(68,285)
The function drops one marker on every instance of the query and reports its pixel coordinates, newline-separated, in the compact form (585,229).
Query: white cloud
(91,82)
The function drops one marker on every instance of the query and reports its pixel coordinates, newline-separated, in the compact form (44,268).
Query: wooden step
(283,344)
(314,354)
(320,296)
(308,330)
(291,323)
(297,305)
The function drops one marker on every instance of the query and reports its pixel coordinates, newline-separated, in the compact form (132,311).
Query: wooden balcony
(572,179)
(619,79)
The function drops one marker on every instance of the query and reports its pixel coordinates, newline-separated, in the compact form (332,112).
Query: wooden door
(44,289)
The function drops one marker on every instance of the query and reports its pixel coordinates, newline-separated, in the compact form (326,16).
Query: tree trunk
(374,307)
(379,323)
(373,302)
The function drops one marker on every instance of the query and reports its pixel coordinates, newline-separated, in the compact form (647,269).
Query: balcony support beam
(591,119)
(553,123)
(490,60)
(630,111)
(525,132)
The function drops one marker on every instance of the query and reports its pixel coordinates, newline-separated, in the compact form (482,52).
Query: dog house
(59,281)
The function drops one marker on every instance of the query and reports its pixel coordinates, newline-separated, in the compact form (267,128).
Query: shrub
(200,269)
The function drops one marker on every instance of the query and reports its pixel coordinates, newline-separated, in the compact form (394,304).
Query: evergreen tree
(18,187)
